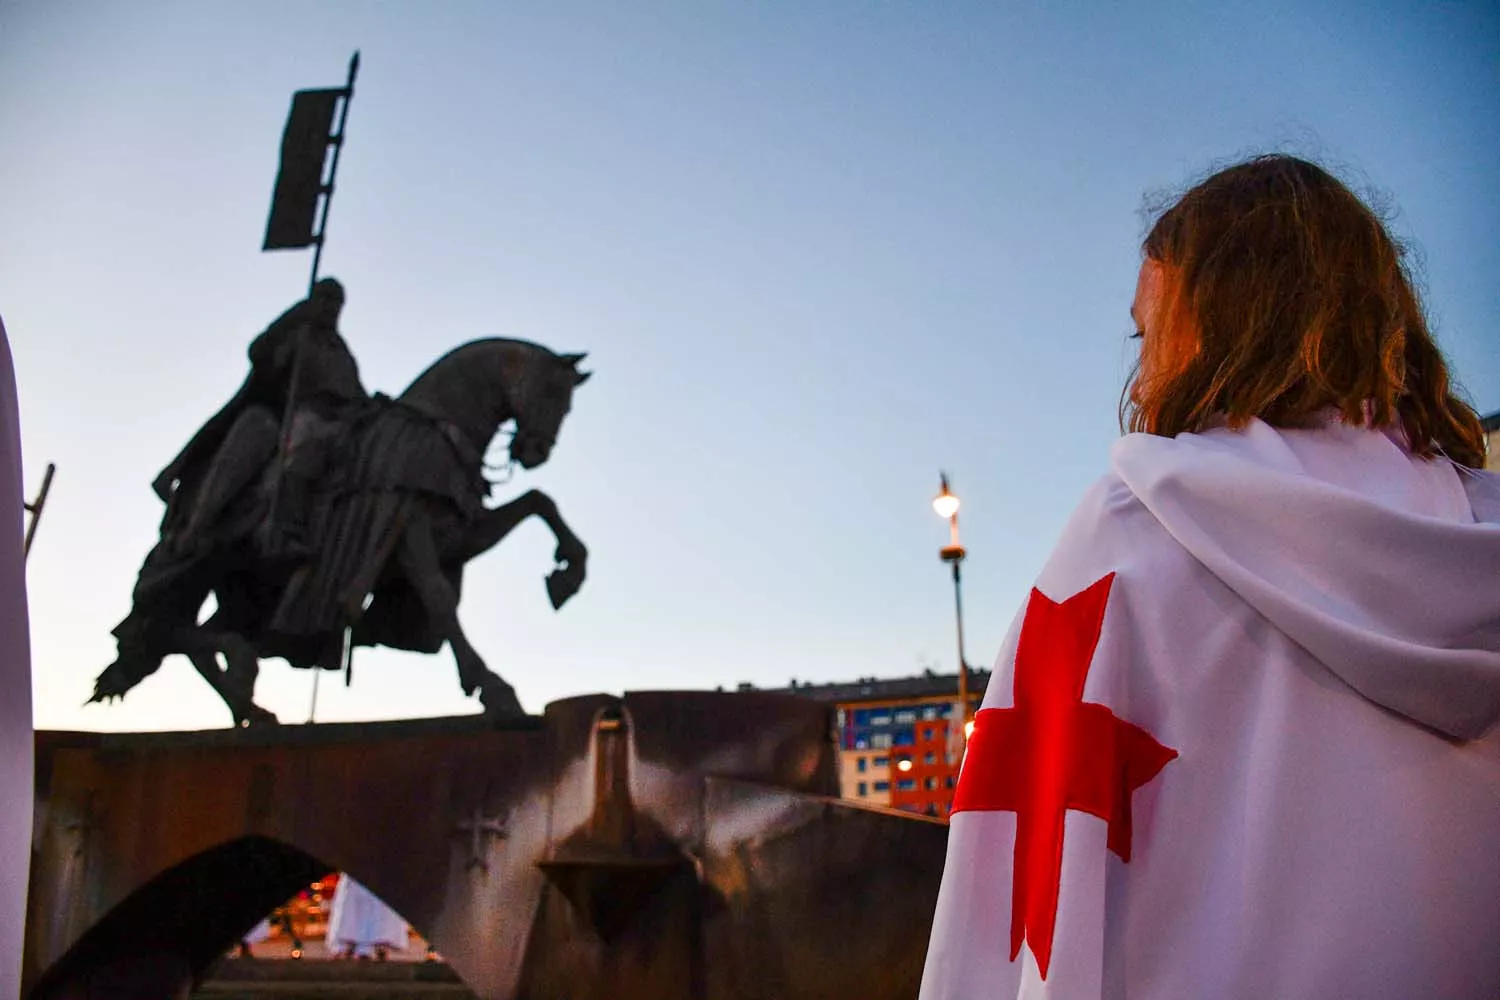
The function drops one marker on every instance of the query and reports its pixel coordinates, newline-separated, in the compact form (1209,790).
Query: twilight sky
(816,252)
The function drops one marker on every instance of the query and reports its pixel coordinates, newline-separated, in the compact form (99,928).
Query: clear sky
(816,251)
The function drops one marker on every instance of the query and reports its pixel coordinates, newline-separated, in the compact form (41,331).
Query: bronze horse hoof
(500,701)
(255,716)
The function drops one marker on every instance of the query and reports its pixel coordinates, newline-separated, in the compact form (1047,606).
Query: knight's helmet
(328,292)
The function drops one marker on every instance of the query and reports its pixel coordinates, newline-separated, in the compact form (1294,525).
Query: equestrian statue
(322,518)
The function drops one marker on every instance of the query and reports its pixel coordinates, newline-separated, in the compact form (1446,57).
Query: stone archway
(160,937)
(122,816)
(660,844)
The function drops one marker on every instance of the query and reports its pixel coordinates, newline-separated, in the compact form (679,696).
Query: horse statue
(396,509)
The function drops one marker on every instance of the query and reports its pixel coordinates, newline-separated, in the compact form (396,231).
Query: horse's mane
(484,345)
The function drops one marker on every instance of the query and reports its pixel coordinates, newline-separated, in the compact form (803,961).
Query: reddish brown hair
(1284,295)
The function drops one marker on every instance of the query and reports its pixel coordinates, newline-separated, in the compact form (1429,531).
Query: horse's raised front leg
(571,555)
(418,558)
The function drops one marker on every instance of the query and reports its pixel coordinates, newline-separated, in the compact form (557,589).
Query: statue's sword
(284,439)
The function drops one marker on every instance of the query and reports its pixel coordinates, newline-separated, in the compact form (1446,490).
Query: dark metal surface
(352,530)
(680,844)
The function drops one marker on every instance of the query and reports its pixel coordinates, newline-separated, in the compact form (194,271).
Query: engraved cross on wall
(480,827)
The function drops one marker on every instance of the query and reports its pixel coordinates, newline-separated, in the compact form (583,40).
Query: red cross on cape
(1053,752)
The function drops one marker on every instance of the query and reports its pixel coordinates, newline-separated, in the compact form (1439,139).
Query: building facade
(899,739)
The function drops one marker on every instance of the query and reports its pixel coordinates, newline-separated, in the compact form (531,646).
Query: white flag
(1242,741)
(16,736)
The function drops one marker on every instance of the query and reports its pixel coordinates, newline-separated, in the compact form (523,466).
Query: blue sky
(817,252)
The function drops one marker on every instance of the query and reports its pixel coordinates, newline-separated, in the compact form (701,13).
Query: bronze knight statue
(303,381)
(315,513)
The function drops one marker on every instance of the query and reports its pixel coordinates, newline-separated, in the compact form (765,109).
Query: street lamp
(946,506)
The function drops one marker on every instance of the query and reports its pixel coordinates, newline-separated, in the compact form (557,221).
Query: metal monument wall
(663,845)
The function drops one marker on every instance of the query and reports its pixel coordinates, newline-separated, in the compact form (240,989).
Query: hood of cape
(1383,566)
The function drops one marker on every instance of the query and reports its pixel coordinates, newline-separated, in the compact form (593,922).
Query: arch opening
(185,926)
(335,917)
(159,940)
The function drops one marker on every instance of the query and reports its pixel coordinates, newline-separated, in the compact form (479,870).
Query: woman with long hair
(1241,742)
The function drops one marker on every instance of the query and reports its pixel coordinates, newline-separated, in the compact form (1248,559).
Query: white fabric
(358,919)
(1311,618)
(15,689)
(259,932)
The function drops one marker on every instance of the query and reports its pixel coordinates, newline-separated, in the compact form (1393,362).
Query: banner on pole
(299,181)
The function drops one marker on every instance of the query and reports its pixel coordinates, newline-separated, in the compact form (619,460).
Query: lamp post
(946,506)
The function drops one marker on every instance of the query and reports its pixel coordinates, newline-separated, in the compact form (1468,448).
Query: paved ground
(333,991)
(322,979)
(313,950)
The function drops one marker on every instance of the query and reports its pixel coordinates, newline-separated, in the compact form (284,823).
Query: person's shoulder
(1106,512)
(1111,532)
(1483,489)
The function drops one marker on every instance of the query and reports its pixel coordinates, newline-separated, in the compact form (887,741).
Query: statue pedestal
(659,844)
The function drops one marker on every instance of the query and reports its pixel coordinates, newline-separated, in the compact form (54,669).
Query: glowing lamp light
(945,504)
(904,764)
(968,729)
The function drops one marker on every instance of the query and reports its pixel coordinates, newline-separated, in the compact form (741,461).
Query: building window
(931,784)
(881,741)
(949,781)
(906,785)
(906,717)
(880,720)
(864,789)
(882,786)
(904,737)
(929,713)
(927,733)
(882,762)
(861,764)
(929,759)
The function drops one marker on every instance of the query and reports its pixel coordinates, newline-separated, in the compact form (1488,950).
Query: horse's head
(544,398)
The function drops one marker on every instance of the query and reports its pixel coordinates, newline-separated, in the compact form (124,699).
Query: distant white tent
(15,689)
(258,933)
(360,922)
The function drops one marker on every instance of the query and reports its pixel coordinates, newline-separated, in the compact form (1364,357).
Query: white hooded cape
(1310,619)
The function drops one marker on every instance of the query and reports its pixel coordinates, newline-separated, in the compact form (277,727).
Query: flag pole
(34,508)
(312,709)
(333,169)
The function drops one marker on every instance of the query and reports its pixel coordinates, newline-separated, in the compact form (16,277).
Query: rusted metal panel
(663,845)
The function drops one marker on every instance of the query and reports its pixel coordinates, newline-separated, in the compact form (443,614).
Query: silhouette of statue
(308,508)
